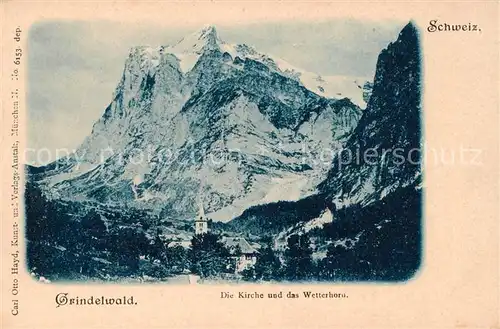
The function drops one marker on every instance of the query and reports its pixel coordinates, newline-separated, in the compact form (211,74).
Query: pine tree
(340,263)
(208,255)
(268,265)
(158,250)
(127,245)
(298,258)
(93,231)
(177,258)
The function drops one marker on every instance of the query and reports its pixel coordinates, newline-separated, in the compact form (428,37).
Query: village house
(241,251)
(244,253)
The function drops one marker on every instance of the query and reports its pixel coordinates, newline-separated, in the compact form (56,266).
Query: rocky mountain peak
(204,96)
(409,32)
(208,31)
(389,128)
(197,42)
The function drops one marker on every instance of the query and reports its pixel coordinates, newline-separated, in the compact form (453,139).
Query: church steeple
(201,211)
(201,222)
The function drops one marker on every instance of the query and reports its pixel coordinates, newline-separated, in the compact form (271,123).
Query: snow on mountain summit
(265,122)
(189,49)
(197,42)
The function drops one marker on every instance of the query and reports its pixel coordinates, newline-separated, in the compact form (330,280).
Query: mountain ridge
(391,121)
(221,103)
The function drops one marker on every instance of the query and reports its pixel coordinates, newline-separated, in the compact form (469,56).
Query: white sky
(73,67)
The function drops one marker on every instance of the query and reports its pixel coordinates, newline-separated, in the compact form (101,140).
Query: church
(244,253)
(201,222)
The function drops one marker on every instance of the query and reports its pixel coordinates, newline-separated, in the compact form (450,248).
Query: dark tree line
(64,242)
(378,242)
(68,243)
(296,263)
(209,257)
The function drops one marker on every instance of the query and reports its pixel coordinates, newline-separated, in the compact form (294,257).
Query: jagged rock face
(387,140)
(206,117)
(367,91)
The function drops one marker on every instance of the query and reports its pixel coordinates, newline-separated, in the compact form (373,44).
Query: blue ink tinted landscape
(218,162)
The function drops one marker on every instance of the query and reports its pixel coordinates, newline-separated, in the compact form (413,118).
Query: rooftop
(245,247)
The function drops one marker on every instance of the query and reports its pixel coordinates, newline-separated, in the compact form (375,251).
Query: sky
(74,66)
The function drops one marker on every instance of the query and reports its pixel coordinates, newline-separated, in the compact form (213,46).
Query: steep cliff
(206,117)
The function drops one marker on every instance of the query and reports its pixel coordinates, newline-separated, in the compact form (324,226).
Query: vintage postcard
(250,165)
